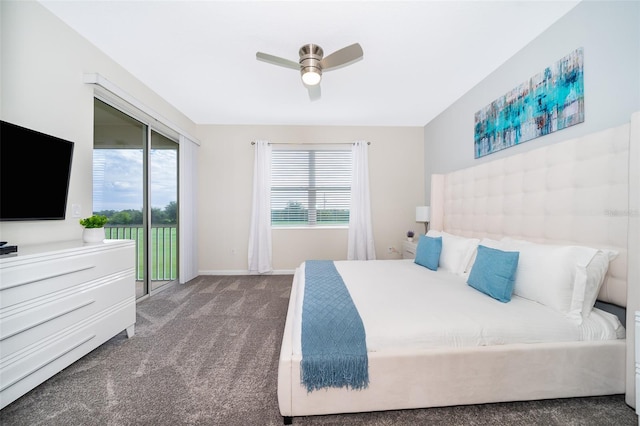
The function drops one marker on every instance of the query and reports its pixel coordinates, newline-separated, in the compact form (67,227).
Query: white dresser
(58,302)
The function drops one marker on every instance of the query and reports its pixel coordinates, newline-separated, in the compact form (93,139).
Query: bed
(570,194)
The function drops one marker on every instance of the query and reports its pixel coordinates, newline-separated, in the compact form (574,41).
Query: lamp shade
(422,214)
(311,76)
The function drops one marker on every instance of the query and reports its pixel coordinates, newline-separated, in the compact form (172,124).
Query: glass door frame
(149,185)
(146,240)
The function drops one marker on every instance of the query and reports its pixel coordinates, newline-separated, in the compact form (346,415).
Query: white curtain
(360,245)
(260,231)
(188,235)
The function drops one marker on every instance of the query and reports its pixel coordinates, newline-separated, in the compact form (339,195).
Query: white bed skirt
(402,379)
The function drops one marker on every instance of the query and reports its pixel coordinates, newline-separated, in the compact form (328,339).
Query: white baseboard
(245,272)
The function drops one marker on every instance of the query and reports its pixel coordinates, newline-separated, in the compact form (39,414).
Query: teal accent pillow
(494,272)
(428,252)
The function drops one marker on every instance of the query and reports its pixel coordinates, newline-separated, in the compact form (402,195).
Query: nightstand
(409,250)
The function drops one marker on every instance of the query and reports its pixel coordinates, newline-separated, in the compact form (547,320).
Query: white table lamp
(422,215)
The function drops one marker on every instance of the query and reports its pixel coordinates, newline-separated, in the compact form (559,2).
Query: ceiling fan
(312,63)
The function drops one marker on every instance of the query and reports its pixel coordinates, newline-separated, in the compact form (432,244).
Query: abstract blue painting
(551,100)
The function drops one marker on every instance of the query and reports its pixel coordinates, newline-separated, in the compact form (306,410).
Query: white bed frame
(575,191)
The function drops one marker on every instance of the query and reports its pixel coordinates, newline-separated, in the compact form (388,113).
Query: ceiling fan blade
(343,57)
(314,92)
(276,60)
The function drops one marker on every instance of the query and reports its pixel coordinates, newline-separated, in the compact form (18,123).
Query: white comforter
(404,305)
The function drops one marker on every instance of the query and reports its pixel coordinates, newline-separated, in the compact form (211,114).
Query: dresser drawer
(28,368)
(23,281)
(27,323)
(409,250)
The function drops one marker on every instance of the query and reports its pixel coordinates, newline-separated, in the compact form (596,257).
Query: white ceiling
(419,56)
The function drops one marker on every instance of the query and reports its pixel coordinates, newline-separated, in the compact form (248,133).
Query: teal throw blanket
(334,350)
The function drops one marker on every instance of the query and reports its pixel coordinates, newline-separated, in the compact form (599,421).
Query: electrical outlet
(76,210)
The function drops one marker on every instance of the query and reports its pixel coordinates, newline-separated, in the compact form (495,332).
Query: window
(310,187)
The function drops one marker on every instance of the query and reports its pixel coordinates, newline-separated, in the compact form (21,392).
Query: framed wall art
(549,101)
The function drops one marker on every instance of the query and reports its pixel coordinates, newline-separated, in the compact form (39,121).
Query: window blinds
(310,187)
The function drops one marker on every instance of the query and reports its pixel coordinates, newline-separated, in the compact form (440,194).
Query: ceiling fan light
(311,76)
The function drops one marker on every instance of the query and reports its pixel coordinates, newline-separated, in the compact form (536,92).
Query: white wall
(43,62)
(41,88)
(608,31)
(396,170)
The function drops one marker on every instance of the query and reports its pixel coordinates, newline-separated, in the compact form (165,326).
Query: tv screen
(34,174)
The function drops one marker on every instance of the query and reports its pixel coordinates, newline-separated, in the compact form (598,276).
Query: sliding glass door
(135,181)
(163,196)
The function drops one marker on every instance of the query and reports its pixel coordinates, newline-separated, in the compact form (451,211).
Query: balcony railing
(164,249)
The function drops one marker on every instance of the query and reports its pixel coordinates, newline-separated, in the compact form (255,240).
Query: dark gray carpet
(206,353)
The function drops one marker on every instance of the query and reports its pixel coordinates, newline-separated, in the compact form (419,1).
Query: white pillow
(487,242)
(456,251)
(547,273)
(588,282)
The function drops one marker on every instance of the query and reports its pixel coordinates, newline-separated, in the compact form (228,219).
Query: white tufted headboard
(573,192)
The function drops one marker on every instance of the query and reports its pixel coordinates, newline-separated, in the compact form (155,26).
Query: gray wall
(609,32)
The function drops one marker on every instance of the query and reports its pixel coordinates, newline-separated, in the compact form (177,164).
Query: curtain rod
(298,143)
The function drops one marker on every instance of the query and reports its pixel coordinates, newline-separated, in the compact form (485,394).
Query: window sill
(286,228)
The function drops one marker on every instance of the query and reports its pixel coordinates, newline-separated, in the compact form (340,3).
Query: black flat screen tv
(35,169)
